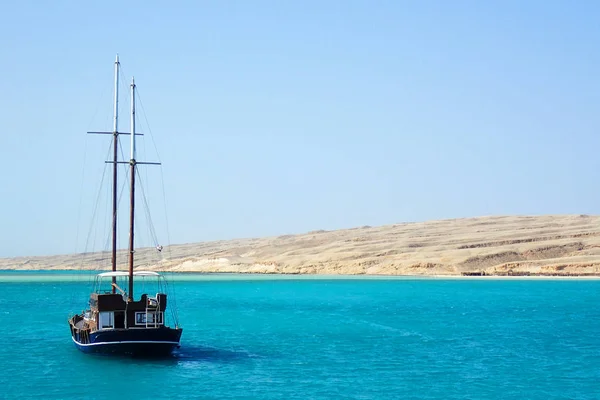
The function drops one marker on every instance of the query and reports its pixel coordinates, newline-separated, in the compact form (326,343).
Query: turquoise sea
(273,337)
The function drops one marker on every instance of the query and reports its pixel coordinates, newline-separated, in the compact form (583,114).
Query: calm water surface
(285,338)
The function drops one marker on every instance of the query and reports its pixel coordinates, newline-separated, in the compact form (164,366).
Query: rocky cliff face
(505,245)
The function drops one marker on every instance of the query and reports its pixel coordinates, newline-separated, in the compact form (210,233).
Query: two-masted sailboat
(117,322)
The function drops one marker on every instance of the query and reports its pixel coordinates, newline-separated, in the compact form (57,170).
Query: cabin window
(106,320)
(141,318)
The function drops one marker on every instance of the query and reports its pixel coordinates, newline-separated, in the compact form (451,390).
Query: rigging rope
(168,282)
(153,235)
(94,214)
(162,180)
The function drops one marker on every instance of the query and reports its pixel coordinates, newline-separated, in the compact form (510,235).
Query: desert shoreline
(507,247)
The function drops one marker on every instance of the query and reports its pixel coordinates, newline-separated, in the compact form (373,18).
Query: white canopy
(125,273)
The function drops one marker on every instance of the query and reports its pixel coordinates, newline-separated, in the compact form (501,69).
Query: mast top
(133,120)
(117,59)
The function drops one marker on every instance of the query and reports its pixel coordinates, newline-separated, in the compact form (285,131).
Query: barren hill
(504,245)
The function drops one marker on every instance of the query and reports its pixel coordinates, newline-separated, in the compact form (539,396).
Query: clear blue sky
(276,117)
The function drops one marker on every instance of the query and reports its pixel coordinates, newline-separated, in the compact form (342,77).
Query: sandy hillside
(540,245)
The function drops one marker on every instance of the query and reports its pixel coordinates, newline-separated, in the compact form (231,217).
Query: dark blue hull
(141,342)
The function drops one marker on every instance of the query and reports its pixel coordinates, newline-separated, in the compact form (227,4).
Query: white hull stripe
(124,342)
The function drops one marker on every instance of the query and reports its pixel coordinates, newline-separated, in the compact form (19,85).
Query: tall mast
(132,191)
(114,189)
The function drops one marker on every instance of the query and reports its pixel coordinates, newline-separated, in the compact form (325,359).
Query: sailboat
(117,321)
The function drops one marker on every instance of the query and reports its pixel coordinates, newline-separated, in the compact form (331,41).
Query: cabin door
(119,319)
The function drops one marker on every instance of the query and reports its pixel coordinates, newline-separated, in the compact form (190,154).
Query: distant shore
(525,247)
